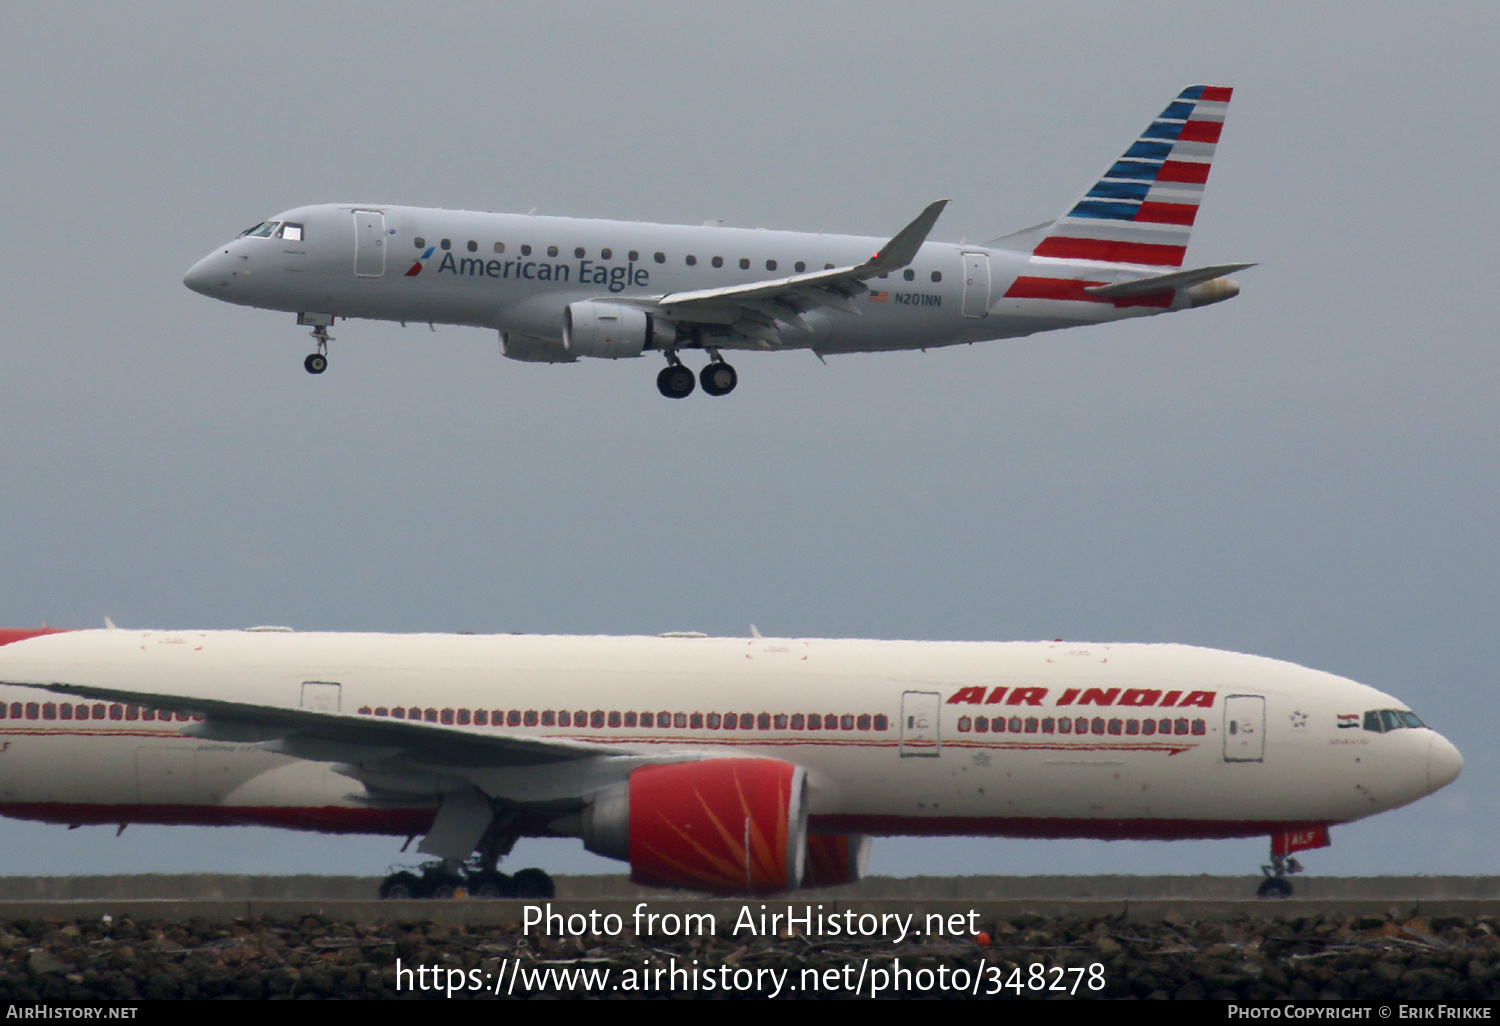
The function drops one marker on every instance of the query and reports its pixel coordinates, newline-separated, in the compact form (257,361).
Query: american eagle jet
(559,288)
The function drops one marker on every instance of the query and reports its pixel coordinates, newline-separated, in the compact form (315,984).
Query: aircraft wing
(347,737)
(754,307)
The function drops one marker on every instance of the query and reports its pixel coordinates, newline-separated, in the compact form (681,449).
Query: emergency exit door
(320,696)
(919,723)
(1244,728)
(369,243)
(976,284)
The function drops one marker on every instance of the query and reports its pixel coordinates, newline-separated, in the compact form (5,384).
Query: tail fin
(1142,210)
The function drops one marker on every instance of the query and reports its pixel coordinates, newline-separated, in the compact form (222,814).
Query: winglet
(902,249)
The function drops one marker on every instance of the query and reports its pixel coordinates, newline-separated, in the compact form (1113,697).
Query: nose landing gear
(317,363)
(1276,884)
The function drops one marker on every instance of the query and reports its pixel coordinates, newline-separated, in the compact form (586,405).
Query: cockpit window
(264,230)
(1383,720)
(291,232)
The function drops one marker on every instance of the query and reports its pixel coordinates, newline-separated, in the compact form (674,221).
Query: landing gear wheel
(1274,887)
(675,381)
(402,885)
(718,378)
(533,883)
(492,885)
(316,363)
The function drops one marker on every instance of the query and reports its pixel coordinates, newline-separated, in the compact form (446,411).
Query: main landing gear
(317,363)
(1276,884)
(718,378)
(676,381)
(440,879)
(479,877)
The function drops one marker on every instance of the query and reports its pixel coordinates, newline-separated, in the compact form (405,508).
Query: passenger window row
(659,720)
(634,256)
(86,711)
(1079,725)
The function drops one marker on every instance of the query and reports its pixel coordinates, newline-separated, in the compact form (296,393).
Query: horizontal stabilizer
(1162,282)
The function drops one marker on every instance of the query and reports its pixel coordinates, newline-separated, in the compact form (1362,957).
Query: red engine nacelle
(834,859)
(726,826)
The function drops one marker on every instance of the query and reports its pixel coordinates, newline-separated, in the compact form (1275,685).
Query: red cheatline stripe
(1183,171)
(1141,829)
(1112,252)
(1220,93)
(1167,213)
(1201,131)
(1027,287)
(13,634)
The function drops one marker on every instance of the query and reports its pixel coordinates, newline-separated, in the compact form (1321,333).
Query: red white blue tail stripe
(1141,212)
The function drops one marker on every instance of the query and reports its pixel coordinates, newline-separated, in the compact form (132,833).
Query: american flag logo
(880,297)
(1348,720)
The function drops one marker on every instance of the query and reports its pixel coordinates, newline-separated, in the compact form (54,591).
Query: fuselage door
(919,723)
(976,284)
(1244,728)
(320,696)
(369,243)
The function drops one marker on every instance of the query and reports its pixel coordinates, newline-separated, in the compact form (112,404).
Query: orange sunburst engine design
(728,826)
(834,859)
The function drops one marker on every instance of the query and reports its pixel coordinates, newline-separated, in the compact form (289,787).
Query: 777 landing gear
(317,363)
(1276,884)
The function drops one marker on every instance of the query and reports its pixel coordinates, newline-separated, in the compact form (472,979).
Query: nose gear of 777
(1276,884)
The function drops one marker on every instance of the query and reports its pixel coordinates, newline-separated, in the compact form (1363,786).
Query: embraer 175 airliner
(559,288)
(728,765)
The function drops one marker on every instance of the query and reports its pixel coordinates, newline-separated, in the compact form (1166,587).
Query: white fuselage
(1237,745)
(518,273)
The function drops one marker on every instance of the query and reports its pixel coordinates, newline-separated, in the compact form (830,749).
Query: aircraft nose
(205,276)
(1443,763)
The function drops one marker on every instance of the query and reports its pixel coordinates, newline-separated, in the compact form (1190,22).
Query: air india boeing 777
(728,765)
(559,288)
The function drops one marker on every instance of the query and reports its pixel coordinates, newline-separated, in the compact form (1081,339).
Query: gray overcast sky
(1307,472)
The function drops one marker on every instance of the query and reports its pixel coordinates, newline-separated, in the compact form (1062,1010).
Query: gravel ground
(1369,958)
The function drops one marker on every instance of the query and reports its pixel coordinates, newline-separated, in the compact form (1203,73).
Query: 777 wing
(469,772)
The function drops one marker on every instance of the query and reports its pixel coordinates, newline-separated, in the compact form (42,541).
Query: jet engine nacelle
(726,826)
(834,859)
(612,330)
